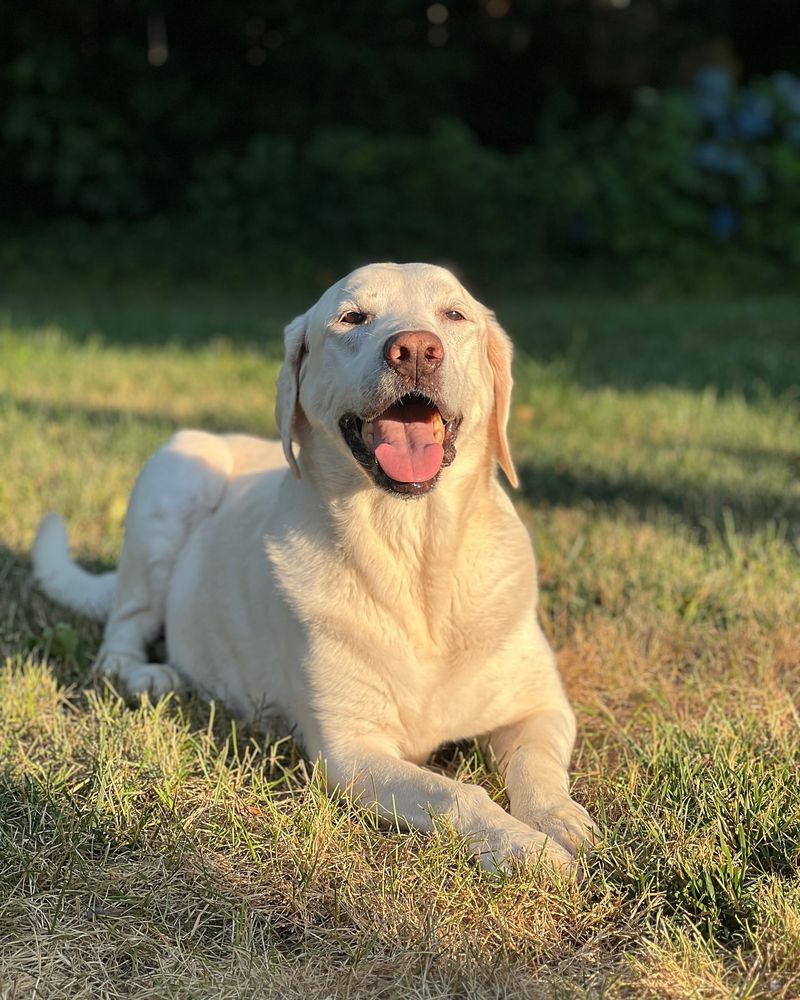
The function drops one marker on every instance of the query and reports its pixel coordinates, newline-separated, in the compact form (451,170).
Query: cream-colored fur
(379,626)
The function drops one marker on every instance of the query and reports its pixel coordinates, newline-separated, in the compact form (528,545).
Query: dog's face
(396,365)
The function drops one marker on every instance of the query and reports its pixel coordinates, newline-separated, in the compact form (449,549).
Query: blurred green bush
(692,188)
(440,195)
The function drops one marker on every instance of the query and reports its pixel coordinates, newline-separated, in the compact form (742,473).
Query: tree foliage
(483,129)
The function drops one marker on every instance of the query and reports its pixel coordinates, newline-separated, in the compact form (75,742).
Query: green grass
(161,851)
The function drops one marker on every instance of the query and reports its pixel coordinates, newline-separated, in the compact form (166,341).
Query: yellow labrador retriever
(380,592)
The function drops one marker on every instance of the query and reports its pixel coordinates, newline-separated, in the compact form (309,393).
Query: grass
(157,851)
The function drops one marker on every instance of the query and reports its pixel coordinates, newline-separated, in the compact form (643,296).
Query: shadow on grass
(97,416)
(147,316)
(702,509)
(109,417)
(743,346)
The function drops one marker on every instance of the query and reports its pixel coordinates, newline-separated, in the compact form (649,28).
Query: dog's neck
(408,549)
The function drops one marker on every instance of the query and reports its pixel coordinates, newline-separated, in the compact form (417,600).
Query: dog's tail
(90,594)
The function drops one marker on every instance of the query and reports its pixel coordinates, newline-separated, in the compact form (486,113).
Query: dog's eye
(353,318)
(455,315)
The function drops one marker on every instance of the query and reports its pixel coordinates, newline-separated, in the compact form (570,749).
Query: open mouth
(405,447)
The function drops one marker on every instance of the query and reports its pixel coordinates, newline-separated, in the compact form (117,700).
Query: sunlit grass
(163,851)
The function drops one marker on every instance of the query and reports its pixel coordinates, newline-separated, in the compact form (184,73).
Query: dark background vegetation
(652,140)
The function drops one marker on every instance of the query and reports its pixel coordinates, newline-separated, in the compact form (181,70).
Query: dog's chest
(424,669)
(437,703)
(412,647)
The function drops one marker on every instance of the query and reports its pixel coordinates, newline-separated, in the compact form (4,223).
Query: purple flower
(713,80)
(719,159)
(754,115)
(724,222)
(711,92)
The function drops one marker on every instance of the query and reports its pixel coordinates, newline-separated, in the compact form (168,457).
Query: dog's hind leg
(178,487)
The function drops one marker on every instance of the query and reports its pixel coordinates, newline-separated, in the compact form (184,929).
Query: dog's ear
(500,352)
(294,339)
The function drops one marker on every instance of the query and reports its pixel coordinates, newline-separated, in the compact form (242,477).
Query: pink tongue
(404,444)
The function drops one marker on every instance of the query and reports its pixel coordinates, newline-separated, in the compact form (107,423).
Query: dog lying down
(380,592)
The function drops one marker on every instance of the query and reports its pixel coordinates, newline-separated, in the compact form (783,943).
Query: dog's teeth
(368,433)
(438,428)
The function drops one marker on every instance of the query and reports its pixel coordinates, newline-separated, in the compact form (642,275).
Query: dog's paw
(154,679)
(567,823)
(135,677)
(516,843)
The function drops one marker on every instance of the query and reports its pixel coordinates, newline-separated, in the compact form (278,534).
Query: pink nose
(414,354)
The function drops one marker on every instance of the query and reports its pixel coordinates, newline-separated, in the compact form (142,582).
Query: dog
(366,577)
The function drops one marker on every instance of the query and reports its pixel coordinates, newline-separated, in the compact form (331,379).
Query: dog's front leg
(399,791)
(533,756)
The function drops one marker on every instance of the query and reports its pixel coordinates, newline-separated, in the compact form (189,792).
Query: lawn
(156,851)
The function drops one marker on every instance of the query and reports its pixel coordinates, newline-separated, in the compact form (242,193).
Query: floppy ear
(294,339)
(500,352)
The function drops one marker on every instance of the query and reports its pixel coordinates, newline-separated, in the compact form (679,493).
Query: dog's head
(398,366)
